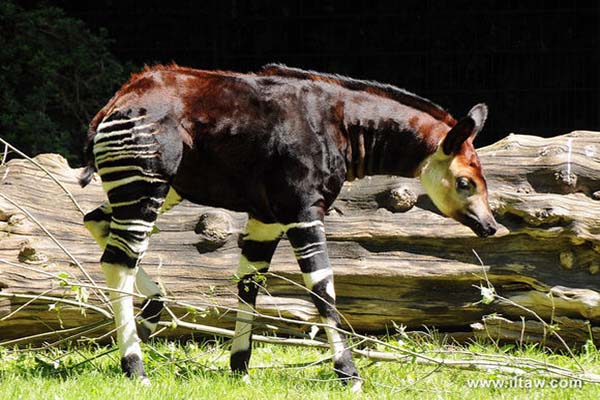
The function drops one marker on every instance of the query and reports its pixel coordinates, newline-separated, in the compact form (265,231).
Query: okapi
(277,144)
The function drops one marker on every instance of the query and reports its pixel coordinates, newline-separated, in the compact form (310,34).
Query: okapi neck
(385,136)
(387,150)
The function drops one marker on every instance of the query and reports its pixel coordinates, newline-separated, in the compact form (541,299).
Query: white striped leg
(98,223)
(258,245)
(147,321)
(310,248)
(130,227)
(152,306)
(121,279)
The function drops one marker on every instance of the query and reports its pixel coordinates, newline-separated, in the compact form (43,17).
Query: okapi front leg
(310,248)
(258,245)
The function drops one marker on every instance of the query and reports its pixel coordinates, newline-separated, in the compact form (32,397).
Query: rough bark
(395,257)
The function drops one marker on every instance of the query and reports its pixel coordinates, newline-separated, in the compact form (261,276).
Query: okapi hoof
(347,372)
(356,385)
(133,368)
(353,380)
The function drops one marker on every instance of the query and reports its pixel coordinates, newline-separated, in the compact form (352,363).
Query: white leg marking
(243,329)
(99,231)
(307,247)
(145,285)
(260,232)
(250,267)
(335,340)
(133,250)
(122,278)
(308,251)
(309,255)
(304,225)
(329,289)
(312,278)
(157,200)
(150,325)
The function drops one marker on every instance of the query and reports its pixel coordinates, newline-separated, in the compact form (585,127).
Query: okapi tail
(86,176)
(88,156)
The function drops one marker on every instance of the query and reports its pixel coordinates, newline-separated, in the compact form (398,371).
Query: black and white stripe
(127,157)
(310,248)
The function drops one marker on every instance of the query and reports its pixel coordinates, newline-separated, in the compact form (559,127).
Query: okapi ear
(457,135)
(467,128)
(479,114)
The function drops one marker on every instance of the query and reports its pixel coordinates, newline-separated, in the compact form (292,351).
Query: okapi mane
(372,87)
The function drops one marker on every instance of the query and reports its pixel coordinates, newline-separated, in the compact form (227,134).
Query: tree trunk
(395,257)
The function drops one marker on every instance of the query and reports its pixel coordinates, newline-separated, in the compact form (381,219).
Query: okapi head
(453,178)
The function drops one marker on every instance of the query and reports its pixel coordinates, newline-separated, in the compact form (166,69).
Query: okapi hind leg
(130,227)
(152,307)
(258,245)
(97,223)
(310,248)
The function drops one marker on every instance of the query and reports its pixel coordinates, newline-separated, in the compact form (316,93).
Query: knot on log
(4,215)
(567,178)
(214,228)
(399,199)
(30,255)
(596,195)
(567,259)
(14,222)
(16,219)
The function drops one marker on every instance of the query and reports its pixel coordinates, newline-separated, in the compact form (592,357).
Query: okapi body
(277,144)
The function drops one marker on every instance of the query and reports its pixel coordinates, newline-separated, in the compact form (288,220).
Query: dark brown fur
(281,140)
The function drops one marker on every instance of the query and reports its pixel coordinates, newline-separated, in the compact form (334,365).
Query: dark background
(535,63)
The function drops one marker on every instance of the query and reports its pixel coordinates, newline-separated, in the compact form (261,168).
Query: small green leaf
(487,294)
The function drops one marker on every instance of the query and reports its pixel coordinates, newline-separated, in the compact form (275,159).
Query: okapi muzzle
(453,177)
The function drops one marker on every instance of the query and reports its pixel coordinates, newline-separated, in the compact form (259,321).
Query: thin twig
(43,335)
(99,310)
(22,306)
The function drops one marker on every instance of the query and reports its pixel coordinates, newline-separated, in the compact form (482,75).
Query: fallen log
(395,257)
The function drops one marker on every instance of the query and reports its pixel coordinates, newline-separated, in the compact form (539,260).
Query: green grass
(199,371)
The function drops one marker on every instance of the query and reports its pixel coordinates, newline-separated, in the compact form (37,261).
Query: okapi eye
(463,183)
